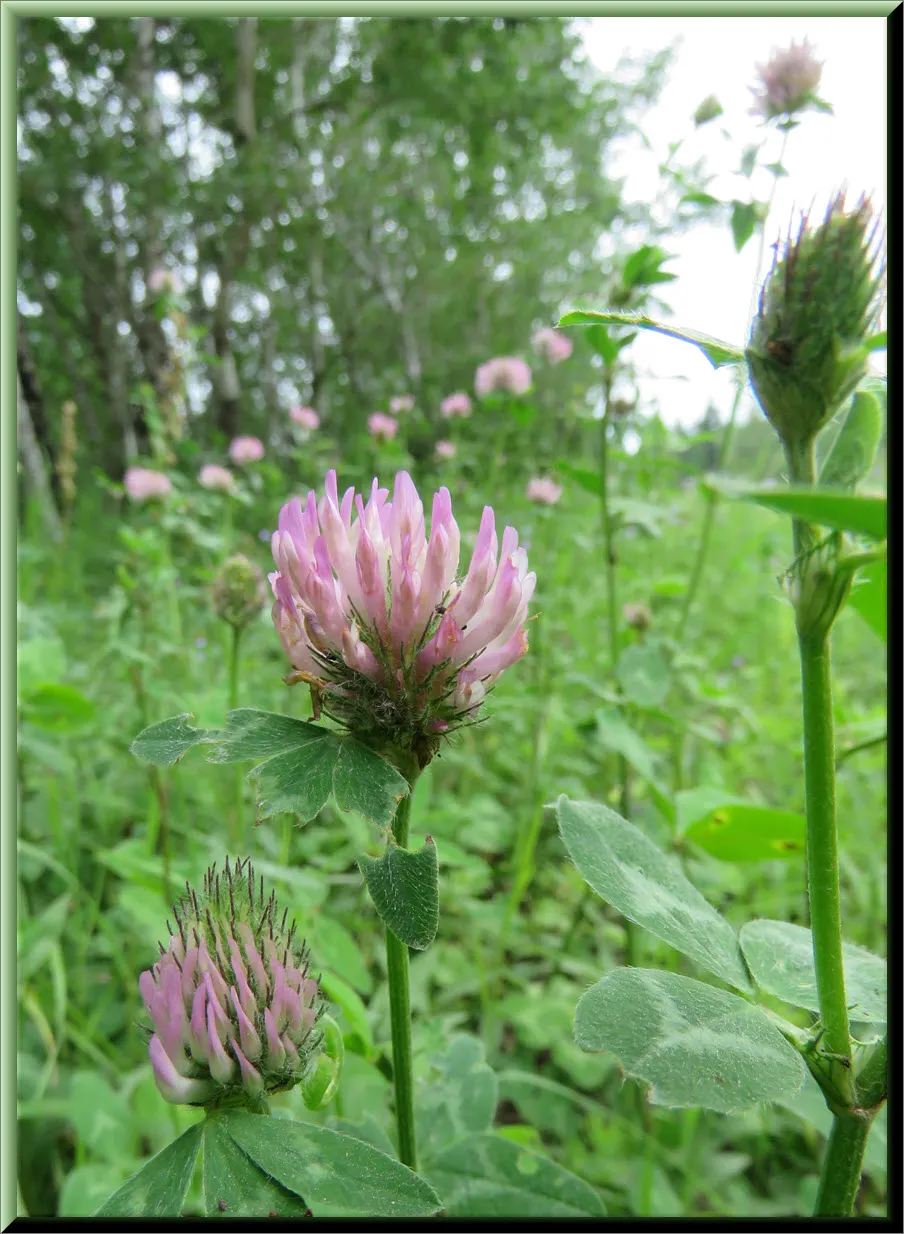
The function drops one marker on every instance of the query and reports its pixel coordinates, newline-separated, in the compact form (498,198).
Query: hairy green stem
(400,1011)
(822,847)
(238,822)
(631,940)
(843,1164)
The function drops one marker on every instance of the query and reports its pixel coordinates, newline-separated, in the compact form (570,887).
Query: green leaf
(642,268)
(865,516)
(304,763)
(234,1186)
(456,1097)
(165,743)
(335,948)
(603,343)
(100,1116)
(643,674)
(85,1187)
(780,956)
(696,198)
(582,476)
(628,512)
(640,882)
(57,708)
(159,1188)
(738,831)
(336,1174)
(854,450)
(718,353)
(616,734)
(488,1176)
(748,160)
(694,1046)
(878,342)
(404,887)
(745,215)
(869,597)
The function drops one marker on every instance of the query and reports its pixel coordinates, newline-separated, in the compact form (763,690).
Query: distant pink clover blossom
(212,475)
(305,417)
(503,373)
(445,449)
(401,404)
(142,484)
(544,491)
(373,596)
(788,82)
(455,405)
(246,450)
(381,426)
(555,346)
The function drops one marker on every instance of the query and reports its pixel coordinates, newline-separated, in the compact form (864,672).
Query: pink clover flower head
(381,426)
(233,1010)
(404,642)
(445,449)
(246,450)
(504,373)
(304,417)
(212,475)
(142,484)
(552,344)
(543,491)
(161,280)
(788,82)
(458,404)
(401,404)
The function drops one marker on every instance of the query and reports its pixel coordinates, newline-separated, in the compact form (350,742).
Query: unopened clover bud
(233,1010)
(638,617)
(239,591)
(818,586)
(807,348)
(854,451)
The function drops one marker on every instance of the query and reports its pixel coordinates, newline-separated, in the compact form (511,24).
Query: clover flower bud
(239,591)
(445,449)
(142,484)
(788,82)
(381,426)
(807,344)
(213,476)
(638,617)
(403,647)
(401,404)
(305,417)
(233,1011)
(550,343)
(458,404)
(543,491)
(246,450)
(503,373)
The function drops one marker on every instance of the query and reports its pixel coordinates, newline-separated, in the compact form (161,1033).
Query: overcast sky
(719,55)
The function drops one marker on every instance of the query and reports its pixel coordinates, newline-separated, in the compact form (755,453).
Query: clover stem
(400,1010)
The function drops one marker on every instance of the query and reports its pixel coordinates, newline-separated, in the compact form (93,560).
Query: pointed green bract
(780,956)
(693,1045)
(404,887)
(631,874)
(159,1188)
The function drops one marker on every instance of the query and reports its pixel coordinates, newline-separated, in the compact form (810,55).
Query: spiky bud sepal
(817,308)
(818,584)
(233,1009)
